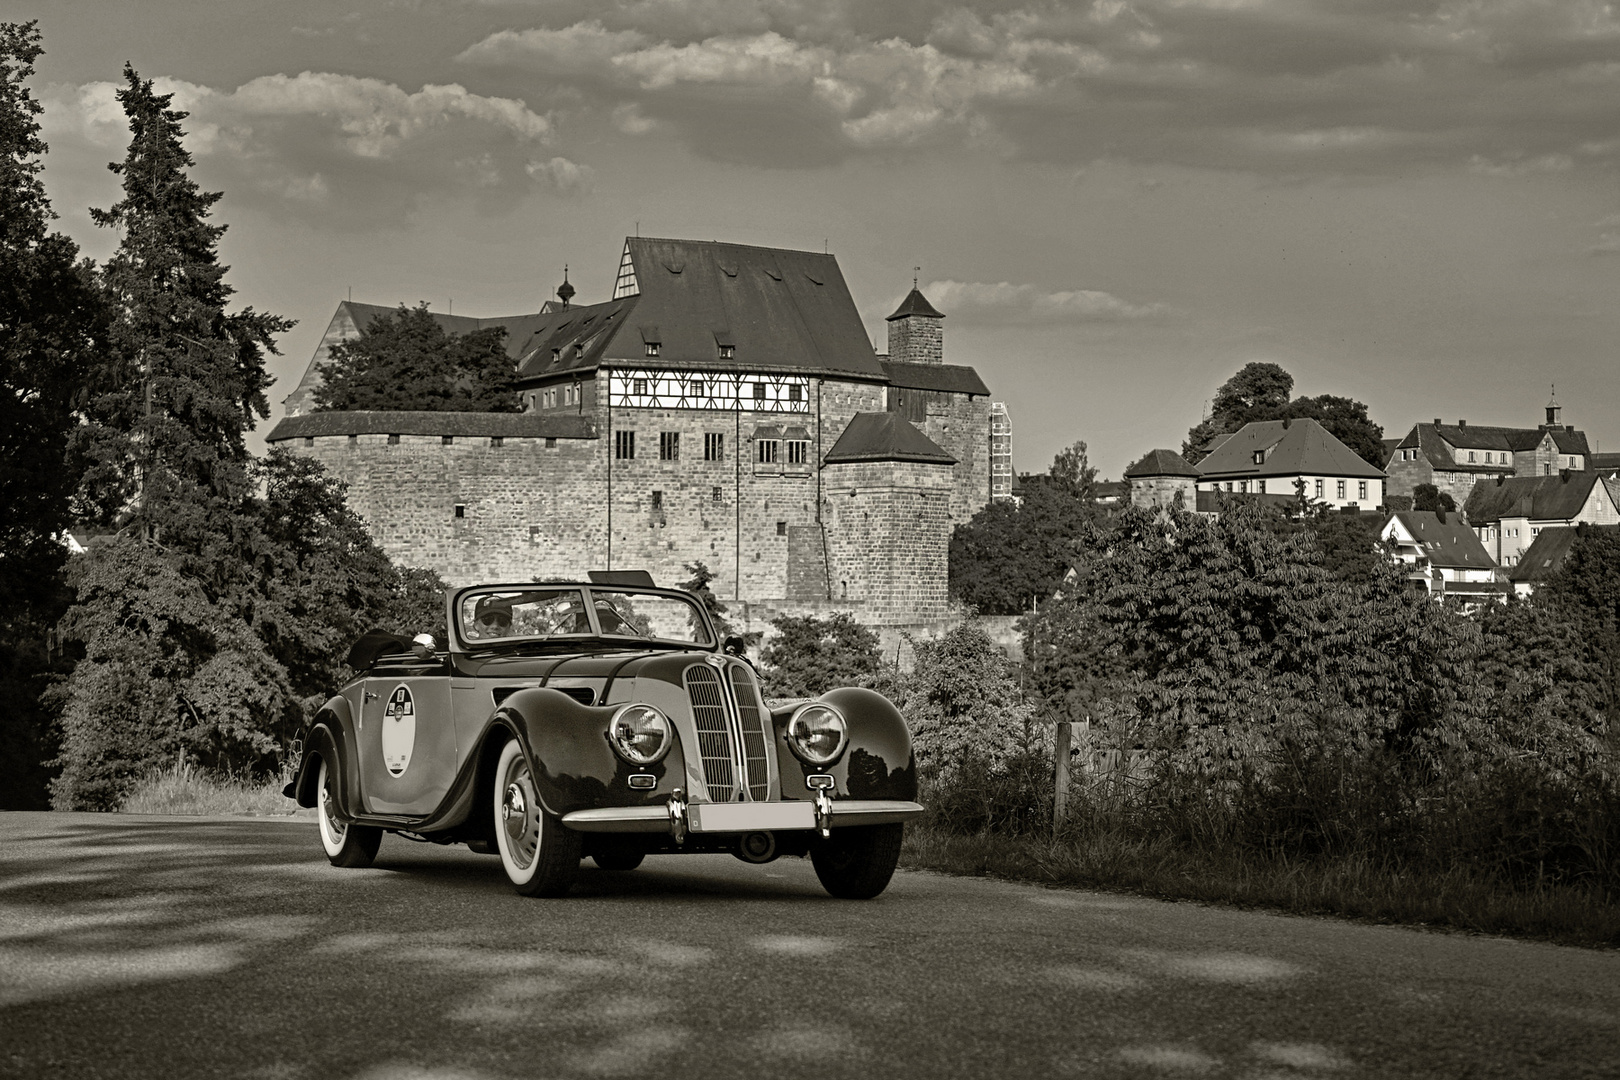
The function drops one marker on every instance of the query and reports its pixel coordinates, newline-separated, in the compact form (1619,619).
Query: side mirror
(735,646)
(424,647)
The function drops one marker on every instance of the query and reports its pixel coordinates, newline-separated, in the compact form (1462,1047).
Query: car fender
(877,763)
(575,765)
(330,737)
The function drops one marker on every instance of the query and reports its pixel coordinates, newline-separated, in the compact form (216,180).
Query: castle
(724,406)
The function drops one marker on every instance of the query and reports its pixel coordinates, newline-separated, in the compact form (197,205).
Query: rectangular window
(624,445)
(461,510)
(1259,457)
(768,450)
(1243,487)
(714,446)
(497,440)
(447,440)
(759,391)
(393,440)
(781,528)
(1470,457)
(658,500)
(798,452)
(1262,487)
(696,388)
(1361,490)
(309,440)
(652,348)
(669,446)
(727,352)
(794,392)
(1339,488)
(1229,485)
(1318,487)
(717,496)
(551,444)
(638,386)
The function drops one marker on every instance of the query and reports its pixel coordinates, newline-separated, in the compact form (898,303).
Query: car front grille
(731,732)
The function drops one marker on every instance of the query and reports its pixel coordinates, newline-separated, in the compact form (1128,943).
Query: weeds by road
(183,788)
(1347,887)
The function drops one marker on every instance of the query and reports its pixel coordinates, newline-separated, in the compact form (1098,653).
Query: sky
(1117,204)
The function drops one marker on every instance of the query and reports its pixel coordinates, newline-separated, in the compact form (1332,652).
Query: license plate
(751,817)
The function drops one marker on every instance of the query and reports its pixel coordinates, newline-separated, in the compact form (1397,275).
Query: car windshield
(544,613)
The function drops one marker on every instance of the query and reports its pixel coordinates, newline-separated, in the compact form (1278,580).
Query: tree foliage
(1014,554)
(407,361)
(809,656)
(1428,497)
(1260,391)
(51,324)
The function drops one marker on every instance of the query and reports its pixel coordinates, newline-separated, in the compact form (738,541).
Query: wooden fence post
(1060,776)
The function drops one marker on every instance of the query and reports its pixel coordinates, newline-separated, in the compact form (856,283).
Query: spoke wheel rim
(520,813)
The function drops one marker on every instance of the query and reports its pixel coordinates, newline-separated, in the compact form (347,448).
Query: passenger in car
(494,617)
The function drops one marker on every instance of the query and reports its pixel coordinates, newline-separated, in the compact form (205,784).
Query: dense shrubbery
(1239,696)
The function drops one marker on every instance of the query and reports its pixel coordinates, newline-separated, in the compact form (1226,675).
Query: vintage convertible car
(600,719)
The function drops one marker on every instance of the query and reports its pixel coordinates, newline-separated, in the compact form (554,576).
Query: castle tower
(1163,478)
(917,331)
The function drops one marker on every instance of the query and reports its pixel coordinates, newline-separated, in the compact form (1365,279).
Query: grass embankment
(1345,887)
(185,789)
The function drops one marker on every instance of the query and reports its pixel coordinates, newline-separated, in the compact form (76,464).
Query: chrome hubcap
(514,812)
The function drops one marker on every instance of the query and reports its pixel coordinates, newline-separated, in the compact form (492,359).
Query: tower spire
(565,291)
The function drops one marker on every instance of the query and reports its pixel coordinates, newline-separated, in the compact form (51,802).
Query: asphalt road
(179,947)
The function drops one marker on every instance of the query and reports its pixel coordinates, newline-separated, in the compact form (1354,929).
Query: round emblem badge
(398,730)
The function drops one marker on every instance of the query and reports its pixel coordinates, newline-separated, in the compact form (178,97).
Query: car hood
(629,664)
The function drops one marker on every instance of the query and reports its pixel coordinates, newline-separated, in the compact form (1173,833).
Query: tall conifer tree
(185,379)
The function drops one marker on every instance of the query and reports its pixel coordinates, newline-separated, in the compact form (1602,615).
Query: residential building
(1290,457)
(1509,512)
(1001,462)
(1443,555)
(1545,555)
(1453,457)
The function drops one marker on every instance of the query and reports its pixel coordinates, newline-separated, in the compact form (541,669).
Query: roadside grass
(1354,887)
(183,788)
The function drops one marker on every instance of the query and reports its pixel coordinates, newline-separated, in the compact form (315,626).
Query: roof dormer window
(652,348)
(651,339)
(728,352)
(1259,457)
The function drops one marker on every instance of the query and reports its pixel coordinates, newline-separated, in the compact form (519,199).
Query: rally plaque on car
(551,723)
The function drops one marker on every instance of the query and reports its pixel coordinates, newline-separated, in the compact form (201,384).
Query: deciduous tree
(809,656)
(407,361)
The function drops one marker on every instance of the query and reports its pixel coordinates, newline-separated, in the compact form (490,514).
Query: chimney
(1462,423)
(1437,421)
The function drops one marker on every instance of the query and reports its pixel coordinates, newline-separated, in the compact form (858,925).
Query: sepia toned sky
(1116,203)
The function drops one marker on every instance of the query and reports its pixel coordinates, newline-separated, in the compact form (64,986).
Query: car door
(407,740)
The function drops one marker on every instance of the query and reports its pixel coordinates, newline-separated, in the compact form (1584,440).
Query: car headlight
(817,733)
(640,734)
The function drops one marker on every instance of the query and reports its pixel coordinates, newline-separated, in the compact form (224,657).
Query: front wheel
(540,855)
(857,862)
(347,845)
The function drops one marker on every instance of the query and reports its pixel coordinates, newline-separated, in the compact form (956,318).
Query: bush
(809,656)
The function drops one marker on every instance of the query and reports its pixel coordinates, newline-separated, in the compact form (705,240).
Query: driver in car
(493,618)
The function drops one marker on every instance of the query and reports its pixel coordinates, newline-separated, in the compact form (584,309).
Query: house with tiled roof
(1287,457)
(724,404)
(1443,556)
(1453,457)
(1545,555)
(1510,512)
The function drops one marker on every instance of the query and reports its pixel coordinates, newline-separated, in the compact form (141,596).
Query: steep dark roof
(915,303)
(1449,544)
(777,309)
(1161,463)
(1291,448)
(1544,555)
(1604,462)
(1390,446)
(952,378)
(884,436)
(1539,498)
(468,424)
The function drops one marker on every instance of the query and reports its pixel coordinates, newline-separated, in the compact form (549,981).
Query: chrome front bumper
(679,818)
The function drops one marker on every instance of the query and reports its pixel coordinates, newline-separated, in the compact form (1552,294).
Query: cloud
(1004,302)
(1275,86)
(358,150)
